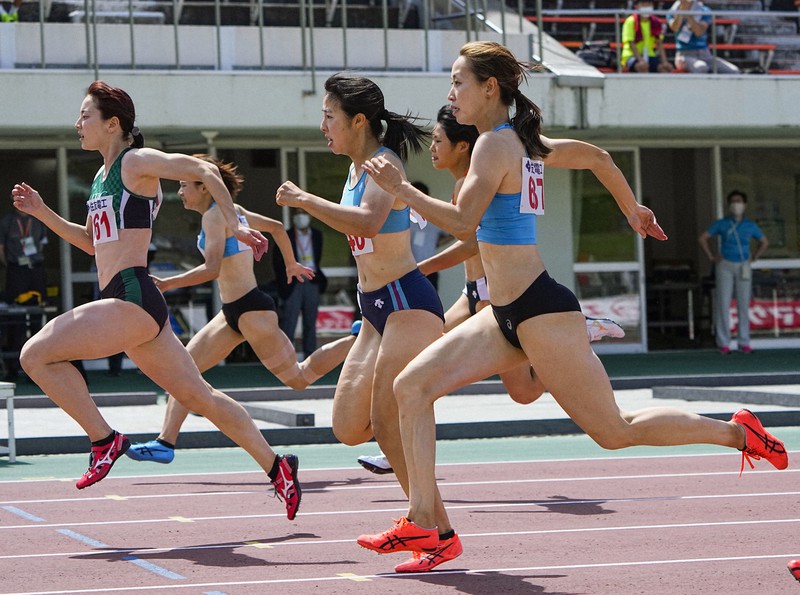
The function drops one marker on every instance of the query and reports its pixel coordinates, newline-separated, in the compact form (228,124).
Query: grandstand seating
(755,43)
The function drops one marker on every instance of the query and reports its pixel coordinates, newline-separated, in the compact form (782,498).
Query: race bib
(359,246)
(104,223)
(685,35)
(418,219)
(532,195)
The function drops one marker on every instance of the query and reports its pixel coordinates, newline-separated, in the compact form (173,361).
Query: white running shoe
(378,465)
(603,327)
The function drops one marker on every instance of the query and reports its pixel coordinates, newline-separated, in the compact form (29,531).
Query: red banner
(334,319)
(768,314)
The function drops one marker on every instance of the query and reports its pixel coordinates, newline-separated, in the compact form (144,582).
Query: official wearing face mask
(733,269)
(302,299)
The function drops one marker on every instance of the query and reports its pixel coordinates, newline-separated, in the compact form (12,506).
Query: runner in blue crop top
(398,219)
(502,222)
(544,317)
(232,245)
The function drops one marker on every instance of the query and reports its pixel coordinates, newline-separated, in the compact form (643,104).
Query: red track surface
(678,525)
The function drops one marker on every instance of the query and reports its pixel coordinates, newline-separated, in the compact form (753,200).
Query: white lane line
(542,503)
(354,468)
(413,577)
(21,513)
(331,542)
(394,485)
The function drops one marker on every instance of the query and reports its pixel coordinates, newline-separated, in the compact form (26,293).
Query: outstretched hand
(385,174)
(253,238)
(299,272)
(25,198)
(643,221)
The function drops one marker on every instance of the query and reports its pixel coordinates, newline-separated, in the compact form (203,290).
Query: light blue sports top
(232,245)
(398,220)
(502,223)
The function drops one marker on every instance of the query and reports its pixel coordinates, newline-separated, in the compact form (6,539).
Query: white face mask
(645,10)
(301,220)
(737,209)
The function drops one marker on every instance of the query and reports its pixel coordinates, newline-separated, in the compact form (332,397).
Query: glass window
(601,233)
(771,179)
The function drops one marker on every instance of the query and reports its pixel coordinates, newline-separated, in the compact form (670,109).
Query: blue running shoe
(152,451)
(354,330)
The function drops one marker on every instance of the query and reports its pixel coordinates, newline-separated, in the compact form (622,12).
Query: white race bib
(104,223)
(359,246)
(28,246)
(532,195)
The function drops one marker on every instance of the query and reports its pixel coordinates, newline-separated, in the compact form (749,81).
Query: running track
(667,524)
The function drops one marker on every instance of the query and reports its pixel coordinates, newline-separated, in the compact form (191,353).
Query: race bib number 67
(532,195)
(103,221)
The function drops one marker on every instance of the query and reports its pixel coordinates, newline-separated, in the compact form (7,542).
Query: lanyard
(24,233)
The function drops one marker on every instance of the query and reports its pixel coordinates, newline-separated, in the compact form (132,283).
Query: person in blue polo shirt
(733,271)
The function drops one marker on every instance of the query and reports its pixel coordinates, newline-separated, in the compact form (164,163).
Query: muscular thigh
(557,347)
(472,351)
(260,329)
(94,330)
(457,313)
(213,343)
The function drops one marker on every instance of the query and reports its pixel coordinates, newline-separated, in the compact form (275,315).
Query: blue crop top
(398,220)
(232,245)
(502,223)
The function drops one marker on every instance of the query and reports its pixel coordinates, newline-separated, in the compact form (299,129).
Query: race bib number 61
(103,221)
(532,195)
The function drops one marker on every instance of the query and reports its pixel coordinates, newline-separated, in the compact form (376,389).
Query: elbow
(464,232)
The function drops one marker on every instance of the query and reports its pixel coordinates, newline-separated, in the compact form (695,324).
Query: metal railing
(314,23)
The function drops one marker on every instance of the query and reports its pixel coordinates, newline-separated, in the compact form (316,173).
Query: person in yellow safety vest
(12,14)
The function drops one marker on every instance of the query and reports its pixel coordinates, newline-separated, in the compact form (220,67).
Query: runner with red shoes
(531,315)
(131,314)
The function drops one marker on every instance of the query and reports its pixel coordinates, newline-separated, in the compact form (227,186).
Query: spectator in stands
(691,39)
(12,14)
(732,268)
(643,41)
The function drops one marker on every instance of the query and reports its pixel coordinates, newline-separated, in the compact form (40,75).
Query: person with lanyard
(532,317)
(690,20)
(402,313)
(22,242)
(131,314)
(302,299)
(733,270)
(248,314)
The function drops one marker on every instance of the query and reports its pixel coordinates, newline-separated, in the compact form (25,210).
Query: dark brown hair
(229,172)
(490,59)
(113,102)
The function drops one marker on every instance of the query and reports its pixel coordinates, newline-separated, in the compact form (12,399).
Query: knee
(611,439)
(31,356)
(348,433)
(411,390)
(524,397)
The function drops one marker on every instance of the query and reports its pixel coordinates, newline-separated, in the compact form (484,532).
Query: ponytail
(527,123)
(403,134)
(137,138)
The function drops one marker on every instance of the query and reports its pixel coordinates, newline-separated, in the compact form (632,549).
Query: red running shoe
(287,488)
(759,444)
(101,459)
(794,568)
(448,549)
(404,536)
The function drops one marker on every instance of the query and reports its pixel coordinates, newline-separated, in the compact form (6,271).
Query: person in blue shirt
(691,39)
(733,272)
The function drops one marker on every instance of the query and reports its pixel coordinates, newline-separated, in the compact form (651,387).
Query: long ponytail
(359,95)
(491,59)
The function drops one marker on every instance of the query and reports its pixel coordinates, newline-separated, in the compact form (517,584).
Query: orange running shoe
(759,444)
(404,536)
(448,549)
